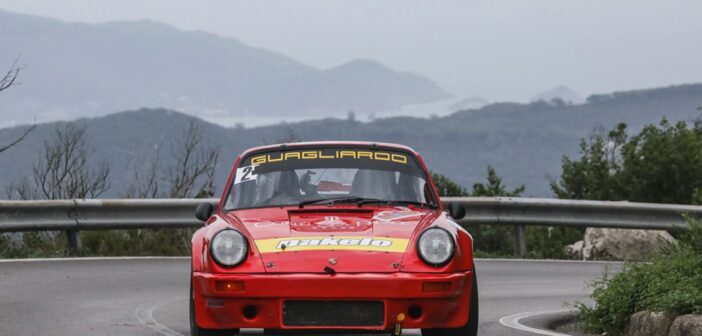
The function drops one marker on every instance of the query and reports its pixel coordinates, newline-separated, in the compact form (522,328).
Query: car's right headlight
(435,246)
(229,247)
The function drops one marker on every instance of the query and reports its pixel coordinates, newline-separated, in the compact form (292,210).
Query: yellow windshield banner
(380,244)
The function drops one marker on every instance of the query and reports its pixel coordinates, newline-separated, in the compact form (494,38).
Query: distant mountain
(563,93)
(525,142)
(75,70)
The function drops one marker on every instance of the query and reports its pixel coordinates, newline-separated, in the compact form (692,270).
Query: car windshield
(291,177)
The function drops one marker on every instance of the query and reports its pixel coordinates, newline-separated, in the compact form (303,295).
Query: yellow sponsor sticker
(324,155)
(381,244)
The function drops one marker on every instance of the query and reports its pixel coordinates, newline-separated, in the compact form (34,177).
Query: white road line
(145,316)
(512,321)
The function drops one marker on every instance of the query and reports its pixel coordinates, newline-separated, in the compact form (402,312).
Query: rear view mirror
(456,210)
(204,211)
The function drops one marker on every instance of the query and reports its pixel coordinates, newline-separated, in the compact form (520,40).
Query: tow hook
(398,325)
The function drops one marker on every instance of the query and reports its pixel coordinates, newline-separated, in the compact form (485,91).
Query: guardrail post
(73,239)
(520,244)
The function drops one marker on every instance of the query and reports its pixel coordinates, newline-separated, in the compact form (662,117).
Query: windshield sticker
(330,158)
(245,174)
(330,154)
(380,244)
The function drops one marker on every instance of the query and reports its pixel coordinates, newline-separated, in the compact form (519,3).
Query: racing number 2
(245,174)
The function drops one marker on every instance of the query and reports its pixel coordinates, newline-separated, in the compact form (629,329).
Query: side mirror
(456,210)
(204,211)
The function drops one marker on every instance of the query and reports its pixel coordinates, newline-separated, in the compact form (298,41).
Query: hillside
(525,142)
(85,70)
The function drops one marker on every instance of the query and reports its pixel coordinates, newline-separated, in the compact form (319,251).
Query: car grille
(300,313)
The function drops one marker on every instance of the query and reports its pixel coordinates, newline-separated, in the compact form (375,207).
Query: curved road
(148,296)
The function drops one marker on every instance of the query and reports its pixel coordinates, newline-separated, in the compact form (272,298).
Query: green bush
(497,241)
(548,242)
(543,242)
(672,282)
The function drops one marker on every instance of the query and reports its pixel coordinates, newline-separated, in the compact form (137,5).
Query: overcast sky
(500,50)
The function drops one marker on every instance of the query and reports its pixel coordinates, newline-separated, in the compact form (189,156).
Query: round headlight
(435,246)
(229,248)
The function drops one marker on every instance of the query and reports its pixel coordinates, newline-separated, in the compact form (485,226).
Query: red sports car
(332,236)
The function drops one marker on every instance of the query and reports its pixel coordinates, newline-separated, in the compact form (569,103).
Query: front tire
(195,330)
(471,327)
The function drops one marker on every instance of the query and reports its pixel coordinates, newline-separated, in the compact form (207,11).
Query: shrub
(672,282)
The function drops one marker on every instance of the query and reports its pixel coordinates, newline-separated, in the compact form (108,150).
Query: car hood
(324,239)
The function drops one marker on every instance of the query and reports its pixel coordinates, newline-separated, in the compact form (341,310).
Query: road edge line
(145,316)
(512,321)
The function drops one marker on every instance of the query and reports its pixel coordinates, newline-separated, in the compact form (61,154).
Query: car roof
(308,144)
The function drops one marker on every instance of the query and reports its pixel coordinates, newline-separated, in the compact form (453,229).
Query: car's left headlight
(435,246)
(229,247)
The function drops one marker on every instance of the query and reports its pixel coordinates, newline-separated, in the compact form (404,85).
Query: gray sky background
(500,50)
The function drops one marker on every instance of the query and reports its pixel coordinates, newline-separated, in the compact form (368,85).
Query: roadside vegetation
(671,282)
(660,164)
(66,169)
(497,241)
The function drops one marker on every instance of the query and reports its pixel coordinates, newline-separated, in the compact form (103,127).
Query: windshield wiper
(332,200)
(420,204)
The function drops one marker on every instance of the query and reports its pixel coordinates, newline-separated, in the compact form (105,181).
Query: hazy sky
(500,50)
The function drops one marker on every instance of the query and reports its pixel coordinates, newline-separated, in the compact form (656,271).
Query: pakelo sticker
(380,244)
(245,174)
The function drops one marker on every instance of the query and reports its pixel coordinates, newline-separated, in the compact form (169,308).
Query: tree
(596,174)
(496,239)
(195,162)
(64,170)
(192,175)
(446,187)
(8,80)
(288,137)
(10,77)
(490,239)
(494,187)
(661,164)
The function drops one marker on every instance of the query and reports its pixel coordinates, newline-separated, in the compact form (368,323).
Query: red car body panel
(353,240)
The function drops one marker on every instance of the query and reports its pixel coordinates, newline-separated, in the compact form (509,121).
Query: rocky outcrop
(649,324)
(664,324)
(686,325)
(575,250)
(619,244)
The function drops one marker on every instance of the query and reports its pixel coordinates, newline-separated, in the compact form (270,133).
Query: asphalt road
(149,296)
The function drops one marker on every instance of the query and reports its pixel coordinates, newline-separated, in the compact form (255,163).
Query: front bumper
(443,306)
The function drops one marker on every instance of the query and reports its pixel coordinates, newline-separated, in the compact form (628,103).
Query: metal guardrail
(520,212)
(577,213)
(73,216)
